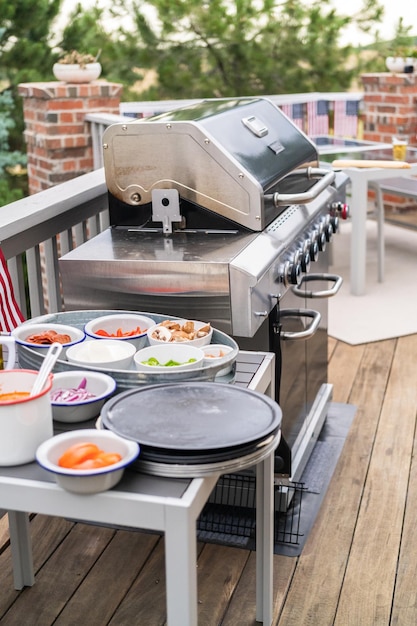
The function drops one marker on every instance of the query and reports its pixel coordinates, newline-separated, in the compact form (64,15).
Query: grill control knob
(321,238)
(341,208)
(314,249)
(305,262)
(328,232)
(291,274)
(327,227)
(334,220)
(305,256)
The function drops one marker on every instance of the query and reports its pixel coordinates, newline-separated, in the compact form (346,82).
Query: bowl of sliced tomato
(87,461)
(122,326)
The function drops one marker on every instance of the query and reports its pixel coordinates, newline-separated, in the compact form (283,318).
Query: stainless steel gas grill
(220,211)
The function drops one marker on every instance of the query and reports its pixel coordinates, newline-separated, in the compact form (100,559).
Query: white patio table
(361,179)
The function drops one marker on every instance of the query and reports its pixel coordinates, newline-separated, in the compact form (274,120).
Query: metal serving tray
(128,378)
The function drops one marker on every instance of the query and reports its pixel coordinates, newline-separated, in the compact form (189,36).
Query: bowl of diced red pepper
(88,460)
(128,327)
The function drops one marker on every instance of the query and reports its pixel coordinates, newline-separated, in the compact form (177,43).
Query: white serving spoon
(51,356)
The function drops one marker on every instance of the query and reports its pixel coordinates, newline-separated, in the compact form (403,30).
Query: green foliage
(192,48)
(10,161)
(94,31)
(240,47)
(25,56)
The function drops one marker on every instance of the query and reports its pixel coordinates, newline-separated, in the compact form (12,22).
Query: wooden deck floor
(358,567)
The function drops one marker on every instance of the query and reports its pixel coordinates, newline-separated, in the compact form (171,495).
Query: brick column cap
(55,89)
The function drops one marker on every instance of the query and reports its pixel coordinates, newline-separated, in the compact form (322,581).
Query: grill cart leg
(21,546)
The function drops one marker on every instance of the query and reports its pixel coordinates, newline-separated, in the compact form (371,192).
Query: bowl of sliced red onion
(78,395)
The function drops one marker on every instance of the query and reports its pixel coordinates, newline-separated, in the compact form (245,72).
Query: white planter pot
(395,64)
(69,73)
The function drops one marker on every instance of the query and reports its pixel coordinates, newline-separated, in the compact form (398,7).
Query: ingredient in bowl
(100,351)
(13,395)
(48,337)
(119,332)
(87,455)
(77,394)
(219,355)
(185,331)
(171,363)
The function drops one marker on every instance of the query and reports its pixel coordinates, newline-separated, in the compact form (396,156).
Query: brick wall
(58,139)
(390,106)
(390,109)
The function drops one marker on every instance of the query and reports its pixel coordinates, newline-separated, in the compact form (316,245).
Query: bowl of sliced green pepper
(168,358)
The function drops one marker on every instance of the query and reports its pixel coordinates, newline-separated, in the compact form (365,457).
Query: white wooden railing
(38,229)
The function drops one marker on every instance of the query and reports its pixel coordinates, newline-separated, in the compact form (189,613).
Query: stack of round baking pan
(191,429)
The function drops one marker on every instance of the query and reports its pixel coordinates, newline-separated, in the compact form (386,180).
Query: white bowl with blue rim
(121,326)
(87,481)
(78,395)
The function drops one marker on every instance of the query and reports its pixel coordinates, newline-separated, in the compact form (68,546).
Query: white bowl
(86,481)
(216,353)
(179,352)
(105,354)
(126,322)
(101,385)
(21,334)
(175,337)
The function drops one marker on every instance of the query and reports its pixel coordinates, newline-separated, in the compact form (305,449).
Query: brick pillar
(390,106)
(59,144)
(390,109)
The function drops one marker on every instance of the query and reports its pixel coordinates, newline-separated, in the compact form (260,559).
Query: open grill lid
(229,156)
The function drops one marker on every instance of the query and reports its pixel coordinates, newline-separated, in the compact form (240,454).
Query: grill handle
(324,293)
(309,330)
(325,178)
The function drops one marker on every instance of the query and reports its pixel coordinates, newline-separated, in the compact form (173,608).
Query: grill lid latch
(166,208)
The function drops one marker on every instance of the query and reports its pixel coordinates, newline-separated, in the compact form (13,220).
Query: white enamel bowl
(156,336)
(216,354)
(97,383)
(178,352)
(21,333)
(87,481)
(105,353)
(126,322)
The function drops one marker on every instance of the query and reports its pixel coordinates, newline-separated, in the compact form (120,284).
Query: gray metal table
(169,505)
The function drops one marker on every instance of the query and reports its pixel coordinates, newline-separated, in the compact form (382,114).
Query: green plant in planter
(78,58)
(77,67)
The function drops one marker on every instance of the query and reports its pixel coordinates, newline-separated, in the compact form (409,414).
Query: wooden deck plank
(344,363)
(59,577)
(324,558)
(108,581)
(4,530)
(241,610)
(146,598)
(371,572)
(46,537)
(405,597)
(219,571)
